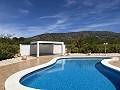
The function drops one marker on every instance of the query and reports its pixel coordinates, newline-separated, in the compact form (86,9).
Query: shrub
(8,51)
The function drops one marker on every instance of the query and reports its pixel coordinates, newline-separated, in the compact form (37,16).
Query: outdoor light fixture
(105,47)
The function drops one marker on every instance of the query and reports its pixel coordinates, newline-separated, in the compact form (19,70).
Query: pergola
(48,42)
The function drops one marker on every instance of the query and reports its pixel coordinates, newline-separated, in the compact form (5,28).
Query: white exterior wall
(24,50)
(57,49)
(64,50)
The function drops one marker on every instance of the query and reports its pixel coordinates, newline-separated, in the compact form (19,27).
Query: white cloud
(105,6)
(70,2)
(88,3)
(59,15)
(24,11)
(9,29)
(108,5)
(80,29)
(54,27)
(103,24)
(59,24)
(61,21)
(21,31)
(36,30)
(28,31)
(45,17)
(29,3)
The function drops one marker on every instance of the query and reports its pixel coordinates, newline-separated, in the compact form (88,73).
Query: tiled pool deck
(7,70)
(115,63)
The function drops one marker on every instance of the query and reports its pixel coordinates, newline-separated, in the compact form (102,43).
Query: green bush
(8,51)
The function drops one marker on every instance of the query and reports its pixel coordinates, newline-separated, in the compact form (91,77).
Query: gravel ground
(14,60)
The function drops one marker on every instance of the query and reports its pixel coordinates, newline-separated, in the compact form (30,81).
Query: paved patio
(115,63)
(7,70)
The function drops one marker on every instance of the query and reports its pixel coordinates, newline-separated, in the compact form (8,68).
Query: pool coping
(12,82)
(106,63)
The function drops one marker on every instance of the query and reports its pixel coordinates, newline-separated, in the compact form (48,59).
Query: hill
(99,36)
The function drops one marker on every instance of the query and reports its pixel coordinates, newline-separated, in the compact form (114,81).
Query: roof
(47,42)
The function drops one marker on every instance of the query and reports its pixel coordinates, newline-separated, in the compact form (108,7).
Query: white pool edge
(12,82)
(106,63)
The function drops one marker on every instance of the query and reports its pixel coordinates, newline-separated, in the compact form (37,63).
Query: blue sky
(26,18)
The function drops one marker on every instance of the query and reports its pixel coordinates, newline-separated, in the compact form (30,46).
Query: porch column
(62,49)
(37,49)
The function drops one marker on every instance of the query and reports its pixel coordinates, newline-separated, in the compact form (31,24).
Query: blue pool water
(73,74)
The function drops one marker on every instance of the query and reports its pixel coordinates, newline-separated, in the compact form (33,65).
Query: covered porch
(42,47)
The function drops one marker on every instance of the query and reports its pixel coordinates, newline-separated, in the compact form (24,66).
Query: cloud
(20,30)
(46,17)
(59,15)
(35,30)
(105,6)
(11,29)
(60,24)
(91,14)
(80,29)
(108,5)
(29,3)
(13,10)
(61,21)
(103,24)
(70,2)
(24,11)
(88,3)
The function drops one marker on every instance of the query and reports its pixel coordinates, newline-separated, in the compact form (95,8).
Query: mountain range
(102,36)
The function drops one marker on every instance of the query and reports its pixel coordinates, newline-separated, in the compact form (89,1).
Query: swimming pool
(73,74)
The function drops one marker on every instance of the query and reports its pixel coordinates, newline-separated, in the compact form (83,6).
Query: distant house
(42,47)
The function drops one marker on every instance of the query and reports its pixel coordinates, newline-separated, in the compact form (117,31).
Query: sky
(27,18)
